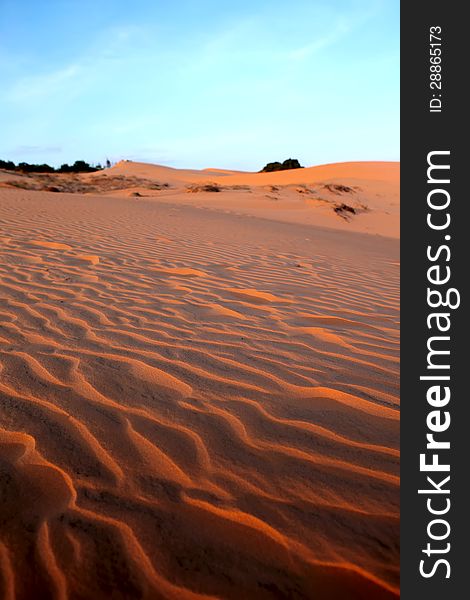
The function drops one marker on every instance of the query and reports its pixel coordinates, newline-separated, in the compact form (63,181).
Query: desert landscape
(199,383)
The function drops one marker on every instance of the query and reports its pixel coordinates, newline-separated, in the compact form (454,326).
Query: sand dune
(375,171)
(314,195)
(361,196)
(196,403)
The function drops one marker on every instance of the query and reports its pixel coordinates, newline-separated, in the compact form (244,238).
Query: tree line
(79,166)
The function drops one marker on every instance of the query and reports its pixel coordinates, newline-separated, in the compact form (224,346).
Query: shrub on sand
(204,187)
(290,163)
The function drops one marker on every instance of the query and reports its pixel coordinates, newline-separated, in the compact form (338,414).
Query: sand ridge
(194,404)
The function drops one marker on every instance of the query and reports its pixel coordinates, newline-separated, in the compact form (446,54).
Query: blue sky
(199,83)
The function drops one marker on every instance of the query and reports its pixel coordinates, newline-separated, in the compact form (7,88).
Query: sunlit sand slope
(360,196)
(322,195)
(194,404)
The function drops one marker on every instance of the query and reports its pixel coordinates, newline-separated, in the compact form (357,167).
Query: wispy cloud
(114,44)
(341,29)
(37,87)
(342,26)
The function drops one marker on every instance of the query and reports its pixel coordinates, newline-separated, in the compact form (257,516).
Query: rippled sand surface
(194,404)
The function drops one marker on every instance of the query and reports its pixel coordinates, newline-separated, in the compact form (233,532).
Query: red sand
(196,403)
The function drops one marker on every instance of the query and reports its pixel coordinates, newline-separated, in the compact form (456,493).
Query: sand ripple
(194,405)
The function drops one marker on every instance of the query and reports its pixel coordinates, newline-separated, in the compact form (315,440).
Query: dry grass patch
(204,187)
(76,184)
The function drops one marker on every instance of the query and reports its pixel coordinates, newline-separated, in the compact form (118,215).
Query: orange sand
(299,195)
(196,403)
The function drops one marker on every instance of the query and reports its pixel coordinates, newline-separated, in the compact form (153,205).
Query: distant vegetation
(79,166)
(290,163)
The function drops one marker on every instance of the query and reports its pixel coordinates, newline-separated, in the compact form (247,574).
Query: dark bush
(342,210)
(272,166)
(27,168)
(290,163)
(7,164)
(82,166)
(79,166)
(204,187)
